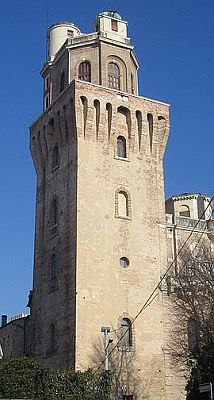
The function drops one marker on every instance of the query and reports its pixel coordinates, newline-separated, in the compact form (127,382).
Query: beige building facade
(100,247)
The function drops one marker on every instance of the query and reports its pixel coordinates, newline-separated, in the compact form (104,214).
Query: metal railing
(187,222)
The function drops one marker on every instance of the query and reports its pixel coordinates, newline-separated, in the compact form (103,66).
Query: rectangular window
(70,34)
(128,397)
(114,25)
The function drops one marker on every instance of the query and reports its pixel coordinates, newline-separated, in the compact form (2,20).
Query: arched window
(121,146)
(113,76)
(53,215)
(122,204)
(62,82)
(126,333)
(52,337)
(184,211)
(123,210)
(84,73)
(55,157)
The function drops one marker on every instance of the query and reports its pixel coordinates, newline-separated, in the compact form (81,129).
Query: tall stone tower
(100,245)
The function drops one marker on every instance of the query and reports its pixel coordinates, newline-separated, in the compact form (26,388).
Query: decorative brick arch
(84,70)
(122,205)
(122,68)
(127,316)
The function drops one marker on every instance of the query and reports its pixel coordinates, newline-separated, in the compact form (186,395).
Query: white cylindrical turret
(58,34)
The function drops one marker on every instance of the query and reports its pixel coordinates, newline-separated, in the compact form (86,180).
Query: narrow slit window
(126,333)
(47,82)
(47,101)
(62,81)
(132,84)
(121,147)
(150,126)
(123,210)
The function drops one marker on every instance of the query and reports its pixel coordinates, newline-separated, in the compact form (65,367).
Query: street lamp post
(106,330)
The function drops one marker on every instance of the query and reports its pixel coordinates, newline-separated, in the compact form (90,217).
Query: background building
(184,213)
(13,336)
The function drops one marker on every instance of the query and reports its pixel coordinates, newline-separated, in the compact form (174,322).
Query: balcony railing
(186,222)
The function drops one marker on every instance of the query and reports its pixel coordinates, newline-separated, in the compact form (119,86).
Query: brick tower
(100,245)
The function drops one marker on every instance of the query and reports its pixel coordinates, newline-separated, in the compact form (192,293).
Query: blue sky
(174,44)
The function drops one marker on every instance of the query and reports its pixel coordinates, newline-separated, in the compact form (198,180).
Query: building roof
(187,194)
(60,23)
(110,13)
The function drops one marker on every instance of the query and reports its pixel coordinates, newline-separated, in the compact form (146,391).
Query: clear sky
(174,44)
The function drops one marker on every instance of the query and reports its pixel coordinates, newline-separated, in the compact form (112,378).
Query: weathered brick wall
(105,291)
(54,302)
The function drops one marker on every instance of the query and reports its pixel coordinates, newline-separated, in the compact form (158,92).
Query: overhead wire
(150,299)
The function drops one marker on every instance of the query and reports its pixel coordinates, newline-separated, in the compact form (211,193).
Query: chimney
(3,319)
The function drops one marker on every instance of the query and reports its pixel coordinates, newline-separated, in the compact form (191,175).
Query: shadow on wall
(123,364)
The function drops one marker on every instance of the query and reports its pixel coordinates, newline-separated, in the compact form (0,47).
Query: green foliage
(26,379)
(17,378)
(202,369)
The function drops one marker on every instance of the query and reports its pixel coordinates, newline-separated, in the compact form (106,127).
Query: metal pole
(106,350)
(106,330)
